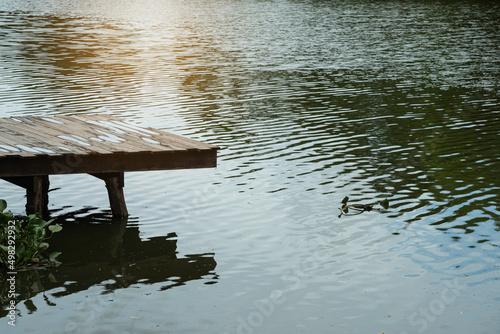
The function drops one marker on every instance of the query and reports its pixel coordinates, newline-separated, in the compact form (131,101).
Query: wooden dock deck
(32,148)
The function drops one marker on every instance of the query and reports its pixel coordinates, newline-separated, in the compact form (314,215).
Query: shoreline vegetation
(23,240)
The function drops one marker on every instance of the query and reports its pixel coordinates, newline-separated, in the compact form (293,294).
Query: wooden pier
(32,148)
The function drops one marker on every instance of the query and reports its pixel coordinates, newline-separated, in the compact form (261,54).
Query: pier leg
(38,195)
(115,183)
(37,192)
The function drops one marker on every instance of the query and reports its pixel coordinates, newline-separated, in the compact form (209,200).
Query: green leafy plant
(356,209)
(23,239)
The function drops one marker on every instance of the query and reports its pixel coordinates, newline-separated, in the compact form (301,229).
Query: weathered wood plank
(47,135)
(135,155)
(32,148)
(32,135)
(135,141)
(73,135)
(22,141)
(136,134)
(78,136)
(118,162)
(154,134)
(97,134)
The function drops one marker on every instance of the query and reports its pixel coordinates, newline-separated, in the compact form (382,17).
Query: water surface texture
(310,101)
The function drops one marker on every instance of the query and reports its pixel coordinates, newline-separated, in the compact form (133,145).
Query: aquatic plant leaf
(55,228)
(3,205)
(19,249)
(39,233)
(53,255)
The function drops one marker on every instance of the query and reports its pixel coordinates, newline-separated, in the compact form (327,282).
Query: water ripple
(309,102)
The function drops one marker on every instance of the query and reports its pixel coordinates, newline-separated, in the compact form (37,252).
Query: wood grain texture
(93,144)
(32,148)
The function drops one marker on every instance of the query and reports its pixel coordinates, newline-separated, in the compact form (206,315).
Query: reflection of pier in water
(113,255)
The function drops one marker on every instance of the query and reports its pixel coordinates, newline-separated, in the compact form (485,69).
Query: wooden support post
(37,192)
(38,195)
(115,183)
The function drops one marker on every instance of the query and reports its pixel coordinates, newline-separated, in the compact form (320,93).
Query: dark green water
(310,101)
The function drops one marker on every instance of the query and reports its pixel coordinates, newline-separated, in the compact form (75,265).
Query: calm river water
(310,101)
